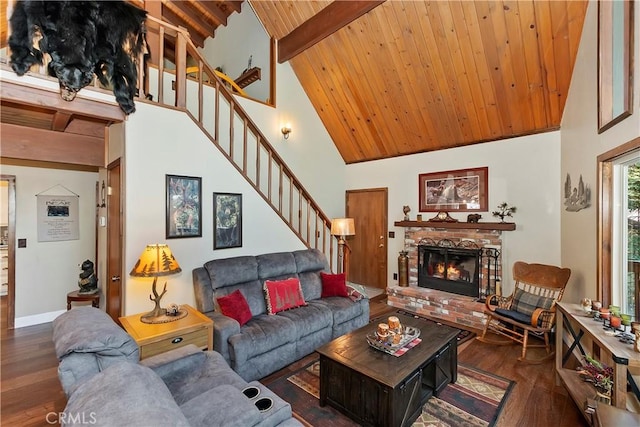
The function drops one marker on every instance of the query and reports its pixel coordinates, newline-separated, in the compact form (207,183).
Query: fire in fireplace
(448,268)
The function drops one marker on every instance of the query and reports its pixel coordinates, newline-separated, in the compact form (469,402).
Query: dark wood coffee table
(379,389)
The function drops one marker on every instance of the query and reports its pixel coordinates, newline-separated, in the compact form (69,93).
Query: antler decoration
(157,311)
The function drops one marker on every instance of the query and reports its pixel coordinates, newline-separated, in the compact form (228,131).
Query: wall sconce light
(286,130)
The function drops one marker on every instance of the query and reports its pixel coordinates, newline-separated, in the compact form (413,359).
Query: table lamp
(155,261)
(343,227)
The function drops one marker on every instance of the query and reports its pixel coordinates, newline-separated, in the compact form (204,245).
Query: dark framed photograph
(227,208)
(462,190)
(184,206)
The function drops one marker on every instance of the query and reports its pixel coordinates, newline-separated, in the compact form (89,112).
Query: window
(619,230)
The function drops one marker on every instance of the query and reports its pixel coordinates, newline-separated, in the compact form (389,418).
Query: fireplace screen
(448,269)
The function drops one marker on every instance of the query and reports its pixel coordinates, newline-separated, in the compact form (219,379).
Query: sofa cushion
(283,295)
(334,285)
(343,309)
(124,394)
(309,319)
(221,406)
(87,341)
(232,271)
(276,265)
(235,306)
(260,335)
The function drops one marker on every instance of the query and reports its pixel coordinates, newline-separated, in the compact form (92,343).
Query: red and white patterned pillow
(283,295)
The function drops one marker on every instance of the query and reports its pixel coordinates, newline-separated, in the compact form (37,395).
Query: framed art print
(184,206)
(227,208)
(462,190)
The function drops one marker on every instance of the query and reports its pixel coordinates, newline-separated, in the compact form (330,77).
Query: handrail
(236,135)
(250,153)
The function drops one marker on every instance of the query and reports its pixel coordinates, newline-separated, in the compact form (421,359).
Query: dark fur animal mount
(82,38)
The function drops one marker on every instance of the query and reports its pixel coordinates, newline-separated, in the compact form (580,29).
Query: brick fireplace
(450,307)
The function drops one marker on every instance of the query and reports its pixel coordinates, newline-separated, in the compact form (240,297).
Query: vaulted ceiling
(396,77)
(408,76)
(414,76)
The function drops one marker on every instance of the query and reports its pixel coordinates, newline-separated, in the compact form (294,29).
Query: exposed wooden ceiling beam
(326,22)
(213,12)
(236,5)
(184,10)
(22,94)
(60,121)
(196,37)
(20,142)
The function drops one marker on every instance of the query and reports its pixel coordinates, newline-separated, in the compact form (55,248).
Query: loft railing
(214,107)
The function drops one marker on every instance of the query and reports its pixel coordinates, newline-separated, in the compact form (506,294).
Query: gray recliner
(103,379)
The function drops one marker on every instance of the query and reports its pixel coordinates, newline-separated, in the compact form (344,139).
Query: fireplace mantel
(500,226)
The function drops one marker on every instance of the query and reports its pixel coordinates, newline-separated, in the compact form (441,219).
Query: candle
(615,322)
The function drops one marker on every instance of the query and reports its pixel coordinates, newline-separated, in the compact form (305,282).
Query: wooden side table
(156,338)
(76,296)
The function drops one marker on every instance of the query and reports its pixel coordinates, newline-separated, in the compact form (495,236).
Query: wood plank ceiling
(414,76)
(409,76)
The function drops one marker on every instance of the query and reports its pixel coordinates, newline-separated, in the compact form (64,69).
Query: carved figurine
(88,282)
(473,218)
(406,209)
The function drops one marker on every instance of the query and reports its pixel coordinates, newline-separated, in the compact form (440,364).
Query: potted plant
(503,211)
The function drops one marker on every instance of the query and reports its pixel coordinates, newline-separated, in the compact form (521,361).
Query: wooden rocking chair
(530,309)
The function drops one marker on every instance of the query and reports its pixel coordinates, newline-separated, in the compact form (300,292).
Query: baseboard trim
(37,319)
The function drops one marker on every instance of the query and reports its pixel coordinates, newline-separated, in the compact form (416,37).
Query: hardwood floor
(30,388)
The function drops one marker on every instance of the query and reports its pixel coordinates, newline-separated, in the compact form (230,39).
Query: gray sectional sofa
(267,343)
(106,385)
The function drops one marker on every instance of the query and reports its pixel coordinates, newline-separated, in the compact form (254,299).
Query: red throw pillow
(235,306)
(283,294)
(334,285)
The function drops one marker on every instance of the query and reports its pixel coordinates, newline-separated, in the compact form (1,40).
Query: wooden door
(368,257)
(10,252)
(113,292)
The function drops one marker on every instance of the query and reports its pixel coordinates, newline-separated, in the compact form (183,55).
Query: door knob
(115,278)
(381,245)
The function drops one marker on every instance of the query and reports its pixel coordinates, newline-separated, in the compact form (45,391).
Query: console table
(588,337)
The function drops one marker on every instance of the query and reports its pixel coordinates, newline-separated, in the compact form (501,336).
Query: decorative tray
(409,334)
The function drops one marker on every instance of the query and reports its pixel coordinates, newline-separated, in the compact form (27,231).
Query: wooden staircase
(208,101)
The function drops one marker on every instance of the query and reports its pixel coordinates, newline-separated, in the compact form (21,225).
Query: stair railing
(211,104)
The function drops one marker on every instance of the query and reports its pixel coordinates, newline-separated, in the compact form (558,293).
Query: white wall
(309,152)
(179,148)
(581,144)
(524,172)
(47,271)
(231,49)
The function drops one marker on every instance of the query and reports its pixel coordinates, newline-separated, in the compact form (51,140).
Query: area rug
(475,400)
(463,335)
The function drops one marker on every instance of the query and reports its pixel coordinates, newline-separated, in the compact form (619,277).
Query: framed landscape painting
(184,207)
(227,208)
(462,190)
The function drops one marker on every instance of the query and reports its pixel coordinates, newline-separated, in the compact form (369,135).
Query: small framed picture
(227,208)
(184,206)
